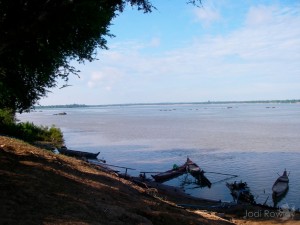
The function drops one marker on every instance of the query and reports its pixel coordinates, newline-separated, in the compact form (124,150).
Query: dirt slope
(39,187)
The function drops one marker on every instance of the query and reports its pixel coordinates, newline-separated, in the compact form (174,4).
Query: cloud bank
(258,58)
(261,56)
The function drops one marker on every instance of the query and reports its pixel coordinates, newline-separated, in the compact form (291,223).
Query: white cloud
(259,60)
(206,15)
(260,15)
(154,42)
(267,48)
(104,78)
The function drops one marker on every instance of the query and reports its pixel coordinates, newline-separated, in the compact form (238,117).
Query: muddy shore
(40,187)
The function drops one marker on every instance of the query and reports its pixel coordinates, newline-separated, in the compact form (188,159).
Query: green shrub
(6,117)
(28,131)
(55,135)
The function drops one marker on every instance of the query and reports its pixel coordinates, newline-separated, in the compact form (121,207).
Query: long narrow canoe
(80,154)
(170,174)
(281,185)
(188,166)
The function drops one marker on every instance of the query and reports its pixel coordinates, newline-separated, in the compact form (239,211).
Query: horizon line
(173,103)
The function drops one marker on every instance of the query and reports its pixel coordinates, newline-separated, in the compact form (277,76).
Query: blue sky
(225,50)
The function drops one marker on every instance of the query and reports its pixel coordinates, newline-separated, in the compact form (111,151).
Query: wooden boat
(193,168)
(281,185)
(170,174)
(277,199)
(197,172)
(241,192)
(88,155)
(188,166)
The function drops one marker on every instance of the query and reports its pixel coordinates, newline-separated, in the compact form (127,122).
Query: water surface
(253,141)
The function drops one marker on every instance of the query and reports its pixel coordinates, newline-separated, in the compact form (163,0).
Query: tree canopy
(39,38)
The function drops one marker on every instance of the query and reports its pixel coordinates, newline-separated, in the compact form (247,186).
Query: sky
(226,50)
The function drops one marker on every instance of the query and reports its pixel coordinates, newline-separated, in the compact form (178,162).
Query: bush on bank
(28,131)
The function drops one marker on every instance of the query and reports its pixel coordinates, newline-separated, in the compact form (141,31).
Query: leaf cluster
(39,39)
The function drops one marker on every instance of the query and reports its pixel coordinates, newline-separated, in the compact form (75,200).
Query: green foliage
(6,117)
(40,38)
(28,131)
(56,135)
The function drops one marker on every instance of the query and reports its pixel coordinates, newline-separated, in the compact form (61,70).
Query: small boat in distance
(80,154)
(281,185)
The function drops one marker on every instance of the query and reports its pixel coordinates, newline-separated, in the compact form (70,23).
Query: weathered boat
(188,166)
(277,199)
(197,172)
(88,155)
(241,192)
(170,174)
(281,185)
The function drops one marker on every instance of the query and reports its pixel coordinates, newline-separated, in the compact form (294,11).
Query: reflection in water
(188,181)
(277,199)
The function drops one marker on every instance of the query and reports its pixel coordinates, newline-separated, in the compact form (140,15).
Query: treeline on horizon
(166,103)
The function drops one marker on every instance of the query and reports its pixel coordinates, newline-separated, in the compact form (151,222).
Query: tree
(39,38)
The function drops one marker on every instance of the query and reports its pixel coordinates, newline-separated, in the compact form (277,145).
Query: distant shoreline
(292,101)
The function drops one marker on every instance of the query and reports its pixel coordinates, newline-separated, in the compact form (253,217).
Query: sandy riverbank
(40,187)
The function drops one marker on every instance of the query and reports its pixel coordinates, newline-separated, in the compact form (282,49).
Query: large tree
(39,39)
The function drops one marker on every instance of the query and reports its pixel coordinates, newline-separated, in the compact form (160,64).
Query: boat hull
(79,154)
(170,174)
(197,172)
(281,185)
(188,166)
